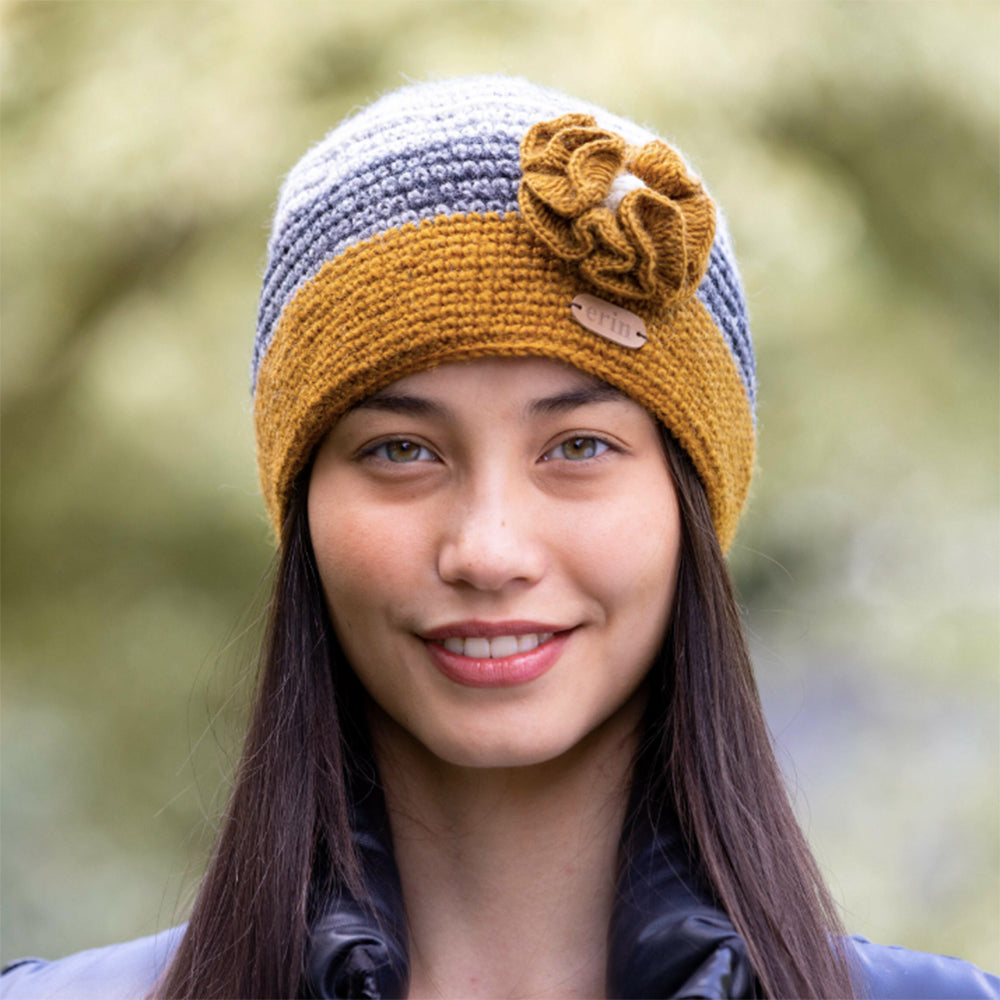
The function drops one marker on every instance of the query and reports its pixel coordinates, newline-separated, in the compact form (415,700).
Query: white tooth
(525,643)
(503,645)
(477,648)
(455,645)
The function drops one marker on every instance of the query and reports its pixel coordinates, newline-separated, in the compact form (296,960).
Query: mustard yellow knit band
(484,285)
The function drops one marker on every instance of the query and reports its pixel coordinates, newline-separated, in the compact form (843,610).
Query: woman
(507,740)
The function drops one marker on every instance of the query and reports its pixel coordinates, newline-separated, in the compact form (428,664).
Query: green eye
(578,449)
(403,451)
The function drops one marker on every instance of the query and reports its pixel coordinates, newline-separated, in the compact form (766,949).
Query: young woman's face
(498,543)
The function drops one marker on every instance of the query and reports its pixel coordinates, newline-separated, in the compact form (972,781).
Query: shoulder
(118,971)
(891,973)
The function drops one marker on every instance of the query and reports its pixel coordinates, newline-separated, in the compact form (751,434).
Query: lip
(498,672)
(488,630)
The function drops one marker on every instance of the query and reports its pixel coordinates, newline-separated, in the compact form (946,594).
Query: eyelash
(380,451)
(597,447)
(600,447)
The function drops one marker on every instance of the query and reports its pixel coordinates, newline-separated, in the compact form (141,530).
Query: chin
(502,754)
(512,745)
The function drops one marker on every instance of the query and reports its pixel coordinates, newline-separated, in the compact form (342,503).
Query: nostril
(489,557)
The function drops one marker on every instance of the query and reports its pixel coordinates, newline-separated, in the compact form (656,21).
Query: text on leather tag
(608,321)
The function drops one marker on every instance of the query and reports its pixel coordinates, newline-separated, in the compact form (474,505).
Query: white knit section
(620,187)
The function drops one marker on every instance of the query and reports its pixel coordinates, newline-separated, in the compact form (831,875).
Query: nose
(488,542)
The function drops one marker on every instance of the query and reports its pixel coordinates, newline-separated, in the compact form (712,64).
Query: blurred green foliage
(855,148)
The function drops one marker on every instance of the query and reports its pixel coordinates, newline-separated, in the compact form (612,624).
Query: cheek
(364,561)
(631,552)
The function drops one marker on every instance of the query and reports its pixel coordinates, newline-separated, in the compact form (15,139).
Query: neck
(508,874)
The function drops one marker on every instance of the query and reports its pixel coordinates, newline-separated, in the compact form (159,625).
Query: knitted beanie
(489,217)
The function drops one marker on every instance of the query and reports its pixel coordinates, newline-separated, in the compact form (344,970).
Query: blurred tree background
(854,146)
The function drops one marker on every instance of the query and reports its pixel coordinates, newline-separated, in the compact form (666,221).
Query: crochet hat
(489,217)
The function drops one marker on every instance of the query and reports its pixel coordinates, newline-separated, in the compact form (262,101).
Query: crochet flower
(650,243)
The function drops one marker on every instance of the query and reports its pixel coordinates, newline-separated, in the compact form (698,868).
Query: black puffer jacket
(666,939)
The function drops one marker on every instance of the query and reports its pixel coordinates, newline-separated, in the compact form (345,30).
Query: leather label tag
(609,321)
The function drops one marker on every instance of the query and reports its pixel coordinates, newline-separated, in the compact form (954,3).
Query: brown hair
(707,756)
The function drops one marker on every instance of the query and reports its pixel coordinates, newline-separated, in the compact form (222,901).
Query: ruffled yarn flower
(634,221)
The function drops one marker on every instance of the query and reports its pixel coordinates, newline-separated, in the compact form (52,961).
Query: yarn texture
(459,219)
(652,243)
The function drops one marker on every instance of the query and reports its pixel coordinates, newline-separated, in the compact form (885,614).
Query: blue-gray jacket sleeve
(118,972)
(891,973)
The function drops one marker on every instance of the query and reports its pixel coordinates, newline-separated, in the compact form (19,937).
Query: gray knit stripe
(721,293)
(447,177)
(403,121)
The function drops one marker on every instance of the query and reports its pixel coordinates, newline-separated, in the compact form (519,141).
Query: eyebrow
(597,392)
(397,402)
(388,401)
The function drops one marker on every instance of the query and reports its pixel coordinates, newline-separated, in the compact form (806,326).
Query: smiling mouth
(498,647)
(483,654)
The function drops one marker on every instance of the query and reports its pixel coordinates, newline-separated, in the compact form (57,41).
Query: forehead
(524,378)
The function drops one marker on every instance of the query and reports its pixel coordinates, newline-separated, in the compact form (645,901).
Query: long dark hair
(706,755)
